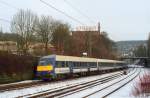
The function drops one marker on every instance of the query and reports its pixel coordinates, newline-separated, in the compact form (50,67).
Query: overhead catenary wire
(62,12)
(77,10)
(5,20)
(7,4)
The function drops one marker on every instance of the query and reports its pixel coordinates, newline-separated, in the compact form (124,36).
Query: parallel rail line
(112,85)
(56,92)
(27,85)
(120,86)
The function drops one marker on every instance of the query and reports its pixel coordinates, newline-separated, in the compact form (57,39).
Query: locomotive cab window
(45,61)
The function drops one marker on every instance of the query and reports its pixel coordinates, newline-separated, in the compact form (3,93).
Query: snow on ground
(52,86)
(126,91)
(88,91)
(21,82)
(112,88)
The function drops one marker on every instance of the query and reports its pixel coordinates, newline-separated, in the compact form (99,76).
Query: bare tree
(24,24)
(1,30)
(44,31)
(140,51)
(60,36)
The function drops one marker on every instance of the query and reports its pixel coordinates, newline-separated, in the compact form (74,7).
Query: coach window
(83,64)
(92,64)
(88,64)
(99,64)
(70,64)
(105,64)
(110,64)
(95,64)
(76,64)
(73,64)
(66,64)
(58,64)
(79,64)
(62,64)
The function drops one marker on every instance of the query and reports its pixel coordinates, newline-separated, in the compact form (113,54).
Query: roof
(81,59)
(76,59)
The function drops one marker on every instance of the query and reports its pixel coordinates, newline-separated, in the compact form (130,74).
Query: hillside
(126,47)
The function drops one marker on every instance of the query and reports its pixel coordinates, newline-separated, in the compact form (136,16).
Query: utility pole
(90,44)
(99,28)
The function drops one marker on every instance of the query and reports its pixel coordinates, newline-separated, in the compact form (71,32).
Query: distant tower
(99,27)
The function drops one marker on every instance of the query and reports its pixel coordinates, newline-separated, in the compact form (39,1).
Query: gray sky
(122,19)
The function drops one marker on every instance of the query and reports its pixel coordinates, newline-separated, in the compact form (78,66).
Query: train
(59,66)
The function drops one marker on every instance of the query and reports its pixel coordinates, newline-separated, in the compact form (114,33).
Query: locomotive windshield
(42,63)
(45,61)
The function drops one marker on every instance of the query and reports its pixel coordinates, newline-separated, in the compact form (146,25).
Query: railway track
(108,90)
(104,92)
(10,87)
(73,88)
(62,92)
(93,85)
(119,87)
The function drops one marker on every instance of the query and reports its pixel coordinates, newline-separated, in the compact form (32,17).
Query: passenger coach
(56,66)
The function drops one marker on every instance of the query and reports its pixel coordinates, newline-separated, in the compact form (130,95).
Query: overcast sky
(122,19)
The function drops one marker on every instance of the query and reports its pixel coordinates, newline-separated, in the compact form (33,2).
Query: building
(82,31)
(84,36)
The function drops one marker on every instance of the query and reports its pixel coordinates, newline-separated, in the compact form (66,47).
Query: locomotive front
(45,68)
